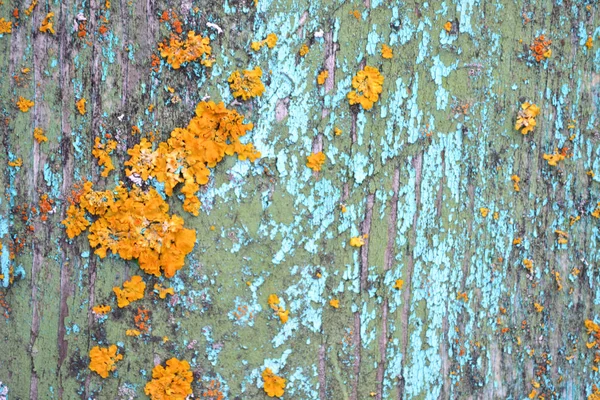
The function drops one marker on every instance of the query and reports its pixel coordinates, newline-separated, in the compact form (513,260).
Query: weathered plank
(412,172)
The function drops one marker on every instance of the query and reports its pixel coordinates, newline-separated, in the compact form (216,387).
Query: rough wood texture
(413,173)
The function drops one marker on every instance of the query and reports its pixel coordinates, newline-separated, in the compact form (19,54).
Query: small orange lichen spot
(271,40)
(315,161)
(526,117)
(162,292)
(337,131)
(532,394)
(595,395)
(559,285)
(589,43)
(358,241)
(101,309)
(356,14)
(17,163)
(462,296)
(102,153)
(173,382)
(541,48)
(81,106)
(5,26)
(256,46)
(399,283)
(368,86)
(343,208)
(273,302)
(273,385)
(103,359)
(212,227)
(165,339)
(133,290)
(484,211)
(448,26)
(335,303)
(132,332)
(303,50)
(386,51)
(246,84)
(323,75)
(538,307)
(572,220)
(527,263)
(38,135)
(553,159)
(47,24)
(562,236)
(596,212)
(590,173)
(496,215)
(283,315)
(135,130)
(517,241)
(29,9)
(24,104)
(75,223)
(516,181)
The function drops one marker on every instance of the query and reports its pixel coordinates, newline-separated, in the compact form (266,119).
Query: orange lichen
(595,395)
(448,26)
(526,117)
(553,159)
(29,9)
(101,151)
(141,319)
(133,290)
(589,43)
(273,385)
(246,84)
(315,161)
(173,382)
(179,51)
(5,26)
(538,307)
(484,211)
(561,236)
(528,264)
(516,181)
(134,224)
(303,50)
(186,156)
(356,14)
(398,284)
(81,106)
(103,360)
(323,75)
(517,241)
(386,51)
(47,24)
(16,163)
(368,86)
(24,104)
(558,280)
(270,41)
(101,309)
(75,223)
(273,302)
(541,48)
(595,213)
(337,131)
(358,241)
(132,332)
(335,303)
(163,292)
(38,135)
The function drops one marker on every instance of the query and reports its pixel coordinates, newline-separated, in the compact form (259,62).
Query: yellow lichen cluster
(133,290)
(173,382)
(553,159)
(179,51)
(526,117)
(323,75)
(186,156)
(134,224)
(101,309)
(335,303)
(386,51)
(5,26)
(103,360)
(163,292)
(528,264)
(315,161)
(246,84)
(273,385)
(24,104)
(38,135)
(516,180)
(270,41)
(81,106)
(47,24)
(273,302)
(595,213)
(368,86)
(102,153)
(303,50)
(541,48)
(358,241)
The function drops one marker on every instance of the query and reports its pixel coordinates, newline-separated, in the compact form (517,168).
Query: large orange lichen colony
(103,359)
(246,84)
(173,382)
(133,224)
(185,157)
(367,86)
(178,51)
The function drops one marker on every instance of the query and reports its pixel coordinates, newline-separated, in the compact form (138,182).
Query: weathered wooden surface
(413,173)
